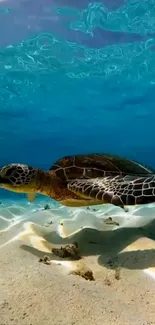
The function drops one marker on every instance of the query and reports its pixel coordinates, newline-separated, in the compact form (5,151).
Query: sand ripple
(69,221)
(42,228)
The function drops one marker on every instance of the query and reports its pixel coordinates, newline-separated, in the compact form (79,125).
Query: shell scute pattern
(107,178)
(96,165)
(18,174)
(72,167)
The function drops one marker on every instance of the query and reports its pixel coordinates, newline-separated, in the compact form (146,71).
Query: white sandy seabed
(39,227)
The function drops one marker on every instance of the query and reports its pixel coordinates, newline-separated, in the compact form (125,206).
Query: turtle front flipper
(118,190)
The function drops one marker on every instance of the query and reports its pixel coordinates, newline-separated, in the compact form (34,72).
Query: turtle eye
(8,174)
(10,171)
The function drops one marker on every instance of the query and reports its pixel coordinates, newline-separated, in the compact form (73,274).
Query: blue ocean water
(76,77)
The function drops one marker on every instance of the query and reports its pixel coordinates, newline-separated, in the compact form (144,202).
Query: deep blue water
(76,79)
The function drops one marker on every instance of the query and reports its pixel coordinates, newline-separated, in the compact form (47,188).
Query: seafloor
(111,281)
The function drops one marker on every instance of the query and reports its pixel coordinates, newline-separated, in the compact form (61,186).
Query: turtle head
(18,178)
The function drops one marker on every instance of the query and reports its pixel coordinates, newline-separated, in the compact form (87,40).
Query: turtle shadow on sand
(107,246)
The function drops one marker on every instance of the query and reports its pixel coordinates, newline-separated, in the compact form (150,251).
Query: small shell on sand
(109,221)
(76,268)
(84,272)
(45,260)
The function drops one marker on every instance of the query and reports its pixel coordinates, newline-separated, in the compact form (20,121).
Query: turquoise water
(76,79)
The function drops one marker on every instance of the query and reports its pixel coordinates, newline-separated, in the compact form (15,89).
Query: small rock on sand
(67,251)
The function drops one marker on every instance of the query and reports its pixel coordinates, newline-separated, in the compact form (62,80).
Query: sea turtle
(84,180)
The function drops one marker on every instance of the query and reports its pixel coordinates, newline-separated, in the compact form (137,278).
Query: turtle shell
(97,165)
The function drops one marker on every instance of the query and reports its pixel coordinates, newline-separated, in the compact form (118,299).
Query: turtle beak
(3,181)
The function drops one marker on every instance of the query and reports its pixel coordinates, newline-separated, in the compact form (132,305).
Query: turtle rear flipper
(119,191)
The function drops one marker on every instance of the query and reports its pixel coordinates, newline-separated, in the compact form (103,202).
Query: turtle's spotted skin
(85,180)
(18,174)
(117,190)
